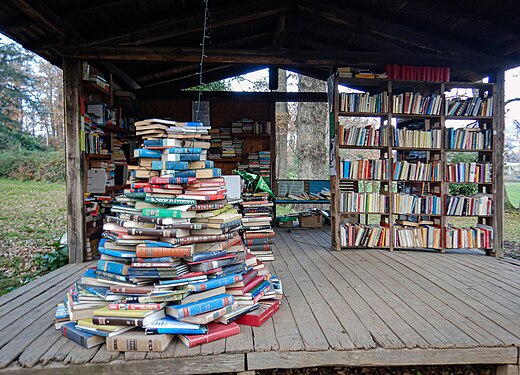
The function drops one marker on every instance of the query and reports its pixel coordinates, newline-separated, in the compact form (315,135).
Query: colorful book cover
(199,307)
(216,331)
(215,283)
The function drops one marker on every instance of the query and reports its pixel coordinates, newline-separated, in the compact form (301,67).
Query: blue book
(173,326)
(194,279)
(183,150)
(206,256)
(112,267)
(200,307)
(85,339)
(215,283)
(188,173)
(260,288)
(145,153)
(194,123)
(151,243)
(191,157)
(232,269)
(116,253)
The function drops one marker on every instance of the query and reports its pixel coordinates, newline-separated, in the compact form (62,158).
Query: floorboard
(353,308)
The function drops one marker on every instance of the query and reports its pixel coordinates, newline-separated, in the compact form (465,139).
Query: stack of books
(479,237)
(359,235)
(417,204)
(415,103)
(170,249)
(469,172)
(363,102)
(364,169)
(477,106)
(265,164)
(254,162)
(424,236)
(257,219)
(417,138)
(353,202)
(359,135)
(469,138)
(476,205)
(417,171)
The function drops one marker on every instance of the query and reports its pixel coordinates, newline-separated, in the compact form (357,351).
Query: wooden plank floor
(357,308)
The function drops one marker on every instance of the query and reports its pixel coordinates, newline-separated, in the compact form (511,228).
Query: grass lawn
(32,218)
(513,192)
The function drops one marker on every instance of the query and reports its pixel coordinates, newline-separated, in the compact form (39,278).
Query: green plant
(33,165)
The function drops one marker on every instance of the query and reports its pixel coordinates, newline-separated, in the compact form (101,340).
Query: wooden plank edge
(382,357)
(183,365)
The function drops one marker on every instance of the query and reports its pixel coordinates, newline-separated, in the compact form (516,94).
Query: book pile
(264,158)
(469,106)
(254,162)
(247,125)
(172,258)
(360,235)
(415,103)
(479,237)
(418,138)
(363,102)
(417,204)
(363,202)
(468,139)
(364,169)
(424,236)
(476,205)
(257,218)
(469,172)
(363,135)
(416,171)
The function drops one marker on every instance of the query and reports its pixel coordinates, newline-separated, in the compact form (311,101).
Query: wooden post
(74,164)
(498,162)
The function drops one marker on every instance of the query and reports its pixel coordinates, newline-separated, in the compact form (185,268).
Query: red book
(216,331)
(143,251)
(389,71)
(252,235)
(396,71)
(446,74)
(241,291)
(259,316)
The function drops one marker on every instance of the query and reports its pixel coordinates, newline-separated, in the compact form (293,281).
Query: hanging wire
(202,55)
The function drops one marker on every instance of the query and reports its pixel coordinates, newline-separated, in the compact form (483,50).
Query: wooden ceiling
(150,44)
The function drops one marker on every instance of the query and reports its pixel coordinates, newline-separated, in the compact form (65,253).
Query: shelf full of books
(420,155)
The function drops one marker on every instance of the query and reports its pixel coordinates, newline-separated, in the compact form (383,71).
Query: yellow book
(88,323)
(105,311)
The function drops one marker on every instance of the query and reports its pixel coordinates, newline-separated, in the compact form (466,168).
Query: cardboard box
(311,221)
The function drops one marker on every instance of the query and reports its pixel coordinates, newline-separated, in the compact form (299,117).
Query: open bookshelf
(423,165)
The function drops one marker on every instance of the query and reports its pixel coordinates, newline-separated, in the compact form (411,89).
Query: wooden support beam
(288,57)
(274,96)
(498,161)
(192,23)
(74,163)
(280,33)
(120,75)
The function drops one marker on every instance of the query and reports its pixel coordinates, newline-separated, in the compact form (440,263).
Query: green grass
(513,192)
(32,218)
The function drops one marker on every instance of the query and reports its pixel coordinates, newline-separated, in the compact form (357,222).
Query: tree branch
(511,101)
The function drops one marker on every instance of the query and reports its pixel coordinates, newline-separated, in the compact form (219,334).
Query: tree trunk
(312,133)
(282,119)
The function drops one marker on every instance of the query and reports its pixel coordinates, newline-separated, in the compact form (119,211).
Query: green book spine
(158,200)
(162,213)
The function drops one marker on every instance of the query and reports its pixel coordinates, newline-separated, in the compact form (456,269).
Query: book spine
(136,344)
(117,321)
(210,337)
(75,335)
(216,283)
(172,180)
(112,267)
(135,306)
(158,252)
(181,311)
(162,213)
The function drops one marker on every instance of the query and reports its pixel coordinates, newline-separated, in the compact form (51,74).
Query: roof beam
(276,57)
(192,22)
(119,74)
(42,14)
(387,29)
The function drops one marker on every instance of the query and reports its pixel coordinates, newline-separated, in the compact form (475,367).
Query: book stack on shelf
(416,157)
(264,157)
(246,125)
(257,218)
(170,252)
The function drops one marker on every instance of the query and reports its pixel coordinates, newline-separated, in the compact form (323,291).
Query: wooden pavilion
(362,308)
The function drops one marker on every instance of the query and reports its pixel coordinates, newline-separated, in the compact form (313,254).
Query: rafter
(190,23)
(364,22)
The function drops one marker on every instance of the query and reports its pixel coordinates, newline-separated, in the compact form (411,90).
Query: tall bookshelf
(432,153)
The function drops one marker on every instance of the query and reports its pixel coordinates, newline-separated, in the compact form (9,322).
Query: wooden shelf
(363,147)
(110,189)
(228,160)
(361,180)
(408,214)
(477,216)
(467,150)
(363,114)
(417,248)
(417,149)
(469,118)
(251,135)
(467,182)
(364,247)
(343,213)
(98,156)
(115,129)
(415,115)
(418,181)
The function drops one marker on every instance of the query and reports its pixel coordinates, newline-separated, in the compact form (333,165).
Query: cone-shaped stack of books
(172,257)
